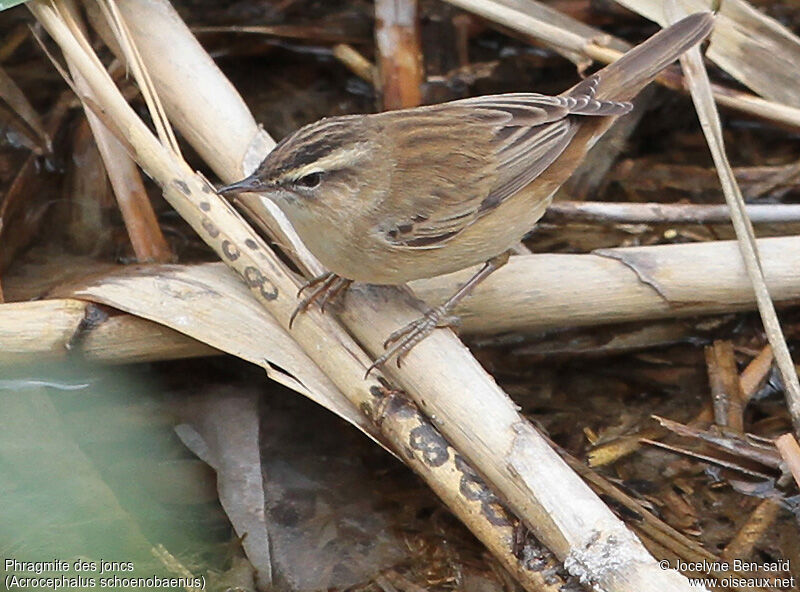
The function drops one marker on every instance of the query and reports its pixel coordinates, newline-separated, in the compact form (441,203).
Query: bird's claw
(402,341)
(314,282)
(326,286)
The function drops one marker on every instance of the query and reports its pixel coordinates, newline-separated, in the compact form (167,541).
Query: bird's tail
(622,80)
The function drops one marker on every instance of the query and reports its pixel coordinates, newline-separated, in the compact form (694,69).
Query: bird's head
(316,171)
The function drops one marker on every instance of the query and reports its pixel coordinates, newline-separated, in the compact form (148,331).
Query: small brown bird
(396,196)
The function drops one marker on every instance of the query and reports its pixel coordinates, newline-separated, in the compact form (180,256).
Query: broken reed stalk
(398,44)
(329,346)
(31,331)
(756,373)
(141,223)
(726,390)
(790,452)
(485,426)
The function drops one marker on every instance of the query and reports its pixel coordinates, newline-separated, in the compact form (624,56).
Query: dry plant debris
(631,303)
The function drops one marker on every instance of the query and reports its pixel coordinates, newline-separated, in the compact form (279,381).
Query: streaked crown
(322,147)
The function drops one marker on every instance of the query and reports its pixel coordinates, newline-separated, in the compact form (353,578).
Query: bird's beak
(251,183)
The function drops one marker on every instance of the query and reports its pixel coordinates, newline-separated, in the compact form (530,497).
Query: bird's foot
(400,342)
(404,339)
(324,288)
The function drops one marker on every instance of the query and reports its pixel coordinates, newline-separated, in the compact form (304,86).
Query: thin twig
(140,73)
(355,62)
(656,213)
(697,77)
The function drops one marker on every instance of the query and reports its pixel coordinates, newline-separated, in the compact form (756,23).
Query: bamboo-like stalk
(30,327)
(544,291)
(242,144)
(43,329)
(485,426)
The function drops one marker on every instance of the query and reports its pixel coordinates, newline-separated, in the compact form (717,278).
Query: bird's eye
(310,180)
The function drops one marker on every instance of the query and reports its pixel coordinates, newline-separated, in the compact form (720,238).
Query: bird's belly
(375,261)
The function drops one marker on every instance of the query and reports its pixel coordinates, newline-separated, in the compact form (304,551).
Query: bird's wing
(503,143)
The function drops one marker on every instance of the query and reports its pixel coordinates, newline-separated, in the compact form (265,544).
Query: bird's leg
(327,286)
(402,340)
